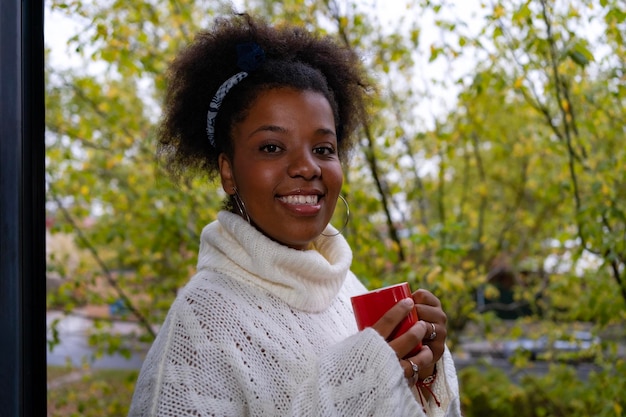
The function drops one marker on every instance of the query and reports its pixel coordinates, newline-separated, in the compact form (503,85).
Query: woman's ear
(226,173)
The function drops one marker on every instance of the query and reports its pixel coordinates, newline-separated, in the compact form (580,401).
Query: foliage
(559,392)
(101,165)
(89,393)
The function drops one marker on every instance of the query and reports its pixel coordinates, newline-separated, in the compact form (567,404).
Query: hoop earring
(347,218)
(241,207)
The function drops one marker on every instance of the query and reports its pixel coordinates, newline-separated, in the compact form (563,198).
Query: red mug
(371,306)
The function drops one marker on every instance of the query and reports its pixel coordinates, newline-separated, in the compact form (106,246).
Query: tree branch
(370,153)
(103,267)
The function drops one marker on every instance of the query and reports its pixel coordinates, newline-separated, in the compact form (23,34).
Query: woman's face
(285,165)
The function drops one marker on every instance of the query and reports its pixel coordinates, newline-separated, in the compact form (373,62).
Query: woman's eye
(269,148)
(324,150)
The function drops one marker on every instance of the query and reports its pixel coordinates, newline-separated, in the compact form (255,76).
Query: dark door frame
(22,210)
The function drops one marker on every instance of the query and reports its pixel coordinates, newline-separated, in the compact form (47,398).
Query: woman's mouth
(300,199)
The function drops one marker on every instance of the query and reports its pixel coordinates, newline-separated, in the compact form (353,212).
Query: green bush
(488,391)
(84,392)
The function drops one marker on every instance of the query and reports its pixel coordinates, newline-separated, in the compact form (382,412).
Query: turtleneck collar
(307,280)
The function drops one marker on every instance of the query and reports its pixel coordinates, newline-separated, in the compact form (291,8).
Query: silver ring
(415,368)
(433,334)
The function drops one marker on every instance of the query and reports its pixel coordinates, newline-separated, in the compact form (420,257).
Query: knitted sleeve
(446,389)
(358,377)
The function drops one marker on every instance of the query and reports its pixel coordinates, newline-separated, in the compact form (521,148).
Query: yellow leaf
(519,82)
(430,277)
(498,11)
(618,409)
(518,150)
(84,190)
(467,264)
(491,292)
(482,190)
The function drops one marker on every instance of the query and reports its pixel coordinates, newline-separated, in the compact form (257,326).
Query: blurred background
(492,172)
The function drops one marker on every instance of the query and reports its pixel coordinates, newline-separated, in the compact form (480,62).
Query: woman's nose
(305,165)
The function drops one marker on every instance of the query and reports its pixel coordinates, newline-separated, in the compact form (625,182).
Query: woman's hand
(429,310)
(406,342)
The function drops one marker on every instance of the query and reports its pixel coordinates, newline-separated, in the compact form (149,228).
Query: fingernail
(407,302)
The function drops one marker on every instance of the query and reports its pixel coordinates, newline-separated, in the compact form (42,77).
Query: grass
(86,392)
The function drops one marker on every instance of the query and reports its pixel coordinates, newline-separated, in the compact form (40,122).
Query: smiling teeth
(299,199)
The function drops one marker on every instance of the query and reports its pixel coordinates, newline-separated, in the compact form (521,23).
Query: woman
(265,327)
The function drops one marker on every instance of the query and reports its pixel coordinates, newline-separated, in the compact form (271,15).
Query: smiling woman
(266,327)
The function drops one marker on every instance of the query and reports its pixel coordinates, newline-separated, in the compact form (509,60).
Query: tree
(538,62)
(101,164)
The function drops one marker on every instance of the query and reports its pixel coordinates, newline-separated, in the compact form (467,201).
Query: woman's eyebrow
(325,131)
(322,131)
(268,128)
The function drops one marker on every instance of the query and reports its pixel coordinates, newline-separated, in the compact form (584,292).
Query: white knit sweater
(265,330)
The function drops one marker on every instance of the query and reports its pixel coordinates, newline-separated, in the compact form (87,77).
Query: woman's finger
(422,360)
(406,342)
(390,320)
(431,314)
(426,297)
(430,310)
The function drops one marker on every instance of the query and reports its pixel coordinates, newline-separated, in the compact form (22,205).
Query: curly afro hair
(294,58)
